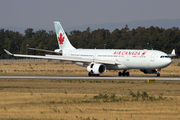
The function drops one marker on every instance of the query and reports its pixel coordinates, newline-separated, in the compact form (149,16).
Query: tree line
(140,38)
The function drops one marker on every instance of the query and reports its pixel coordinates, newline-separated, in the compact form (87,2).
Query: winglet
(8,52)
(172,53)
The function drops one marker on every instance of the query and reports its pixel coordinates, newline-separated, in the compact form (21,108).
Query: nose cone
(167,62)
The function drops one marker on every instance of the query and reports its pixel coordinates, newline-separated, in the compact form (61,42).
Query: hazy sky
(42,13)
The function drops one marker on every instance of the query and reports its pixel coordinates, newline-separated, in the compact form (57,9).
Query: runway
(87,78)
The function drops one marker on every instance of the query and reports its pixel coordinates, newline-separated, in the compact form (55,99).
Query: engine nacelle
(149,71)
(96,68)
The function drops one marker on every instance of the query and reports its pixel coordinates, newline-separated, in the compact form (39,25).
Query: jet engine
(149,71)
(96,68)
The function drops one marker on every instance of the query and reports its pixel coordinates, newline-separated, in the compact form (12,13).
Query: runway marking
(87,78)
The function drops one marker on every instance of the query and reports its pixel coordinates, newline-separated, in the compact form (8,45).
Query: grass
(71,69)
(88,100)
(26,99)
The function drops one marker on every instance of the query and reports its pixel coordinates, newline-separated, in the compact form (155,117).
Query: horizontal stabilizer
(8,52)
(50,51)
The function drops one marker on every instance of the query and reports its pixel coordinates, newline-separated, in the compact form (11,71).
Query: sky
(71,13)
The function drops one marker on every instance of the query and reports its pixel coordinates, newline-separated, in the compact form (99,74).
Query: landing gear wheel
(158,75)
(95,74)
(124,73)
(127,73)
(89,74)
(119,74)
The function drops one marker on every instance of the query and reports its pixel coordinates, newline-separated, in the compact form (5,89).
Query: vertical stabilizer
(62,39)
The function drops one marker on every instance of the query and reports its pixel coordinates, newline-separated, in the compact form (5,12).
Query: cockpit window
(164,56)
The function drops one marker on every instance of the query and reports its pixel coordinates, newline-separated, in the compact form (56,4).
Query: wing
(66,58)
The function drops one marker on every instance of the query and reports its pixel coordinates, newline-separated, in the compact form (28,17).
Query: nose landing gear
(157,74)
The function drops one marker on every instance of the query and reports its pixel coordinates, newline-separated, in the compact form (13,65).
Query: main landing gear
(124,73)
(90,74)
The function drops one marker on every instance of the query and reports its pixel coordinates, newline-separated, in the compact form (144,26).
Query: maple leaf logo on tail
(61,39)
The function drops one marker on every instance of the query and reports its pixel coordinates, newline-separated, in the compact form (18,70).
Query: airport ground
(88,99)
(85,99)
(68,69)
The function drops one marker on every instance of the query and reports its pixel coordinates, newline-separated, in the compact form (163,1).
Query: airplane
(98,61)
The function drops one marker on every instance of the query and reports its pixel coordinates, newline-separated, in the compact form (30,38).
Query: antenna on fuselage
(147,45)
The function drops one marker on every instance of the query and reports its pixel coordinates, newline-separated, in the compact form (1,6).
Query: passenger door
(153,57)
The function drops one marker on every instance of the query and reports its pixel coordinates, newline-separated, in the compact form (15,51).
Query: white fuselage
(129,59)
